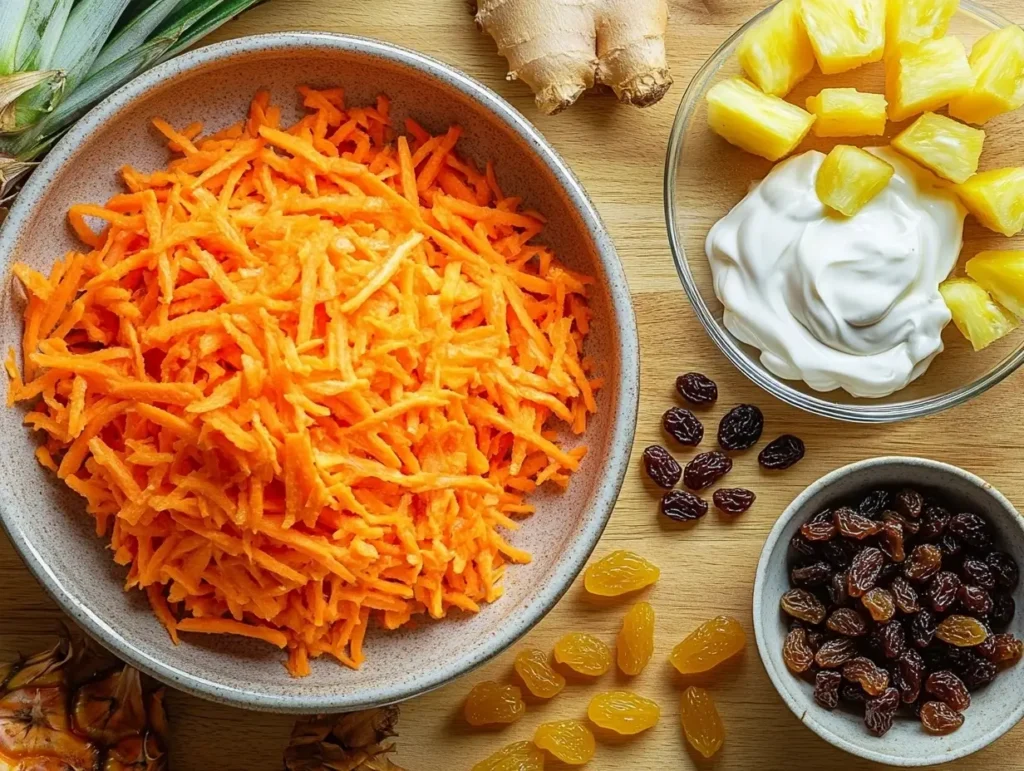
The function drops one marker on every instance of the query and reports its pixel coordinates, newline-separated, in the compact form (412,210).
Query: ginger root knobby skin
(561,48)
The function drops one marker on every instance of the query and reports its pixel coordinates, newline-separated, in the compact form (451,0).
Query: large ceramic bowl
(705,177)
(215,84)
(994,709)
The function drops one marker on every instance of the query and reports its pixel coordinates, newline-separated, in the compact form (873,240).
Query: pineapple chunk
(759,123)
(980,318)
(996,198)
(948,148)
(911,21)
(998,64)
(922,77)
(850,177)
(1001,274)
(776,54)
(845,33)
(846,112)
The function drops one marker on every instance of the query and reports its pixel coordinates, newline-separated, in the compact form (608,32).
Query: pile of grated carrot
(305,376)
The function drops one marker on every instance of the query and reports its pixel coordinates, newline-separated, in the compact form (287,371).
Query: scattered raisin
(661,467)
(701,724)
(879,603)
(1003,609)
(796,652)
(583,653)
(635,644)
(683,506)
(537,674)
(683,426)
(941,592)
(619,572)
(909,503)
(864,571)
(904,595)
(979,572)
(847,622)
(874,503)
(623,712)
(880,711)
(909,675)
(892,541)
(518,756)
(815,574)
(922,628)
(733,500)
(850,524)
(570,741)
(938,719)
(781,453)
(803,605)
(962,631)
(835,652)
(974,600)
(490,703)
(946,686)
(710,644)
(740,428)
(924,562)
(866,673)
(826,688)
(706,468)
(697,388)
(1007,575)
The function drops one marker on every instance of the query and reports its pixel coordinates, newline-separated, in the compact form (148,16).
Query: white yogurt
(838,302)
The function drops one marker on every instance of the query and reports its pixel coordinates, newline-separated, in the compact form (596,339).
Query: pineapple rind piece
(950,149)
(757,122)
(847,112)
(978,317)
(850,177)
(997,61)
(911,21)
(1001,274)
(996,198)
(922,77)
(777,54)
(845,33)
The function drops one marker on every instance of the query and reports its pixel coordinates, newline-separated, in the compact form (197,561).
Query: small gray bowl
(994,710)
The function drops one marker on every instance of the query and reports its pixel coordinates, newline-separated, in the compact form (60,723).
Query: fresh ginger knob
(561,48)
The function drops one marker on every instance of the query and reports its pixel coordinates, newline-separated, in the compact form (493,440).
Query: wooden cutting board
(619,154)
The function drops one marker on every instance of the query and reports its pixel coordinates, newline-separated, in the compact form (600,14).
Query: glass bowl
(705,177)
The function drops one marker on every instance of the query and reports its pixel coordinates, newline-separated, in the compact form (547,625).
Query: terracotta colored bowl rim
(623,421)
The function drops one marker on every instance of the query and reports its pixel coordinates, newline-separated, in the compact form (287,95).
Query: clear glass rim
(853,413)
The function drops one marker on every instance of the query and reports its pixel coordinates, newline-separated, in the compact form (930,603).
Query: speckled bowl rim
(762,614)
(623,427)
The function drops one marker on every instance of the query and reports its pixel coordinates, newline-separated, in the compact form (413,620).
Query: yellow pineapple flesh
(757,122)
(776,54)
(850,177)
(996,198)
(847,112)
(997,61)
(922,77)
(1001,274)
(845,33)
(950,149)
(911,21)
(978,317)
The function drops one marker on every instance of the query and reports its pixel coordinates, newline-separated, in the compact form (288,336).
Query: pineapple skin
(997,61)
(978,317)
(922,77)
(850,177)
(847,112)
(950,149)
(1001,274)
(777,54)
(845,33)
(996,198)
(754,121)
(911,21)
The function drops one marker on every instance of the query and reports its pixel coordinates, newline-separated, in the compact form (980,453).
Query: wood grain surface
(708,569)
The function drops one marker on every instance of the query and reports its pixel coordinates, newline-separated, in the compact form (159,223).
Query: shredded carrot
(305,377)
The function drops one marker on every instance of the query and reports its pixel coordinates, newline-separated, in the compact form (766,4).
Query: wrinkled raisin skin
(781,453)
(705,469)
(922,628)
(909,675)
(1005,570)
(864,571)
(979,572)
(972,529)
(874,503)
(740,428)
(796,652)
(697,388)
(806,576)
(801,604)
(880,711)
(826,688)
(683,506)
(879,603)
(850,524)
(947,687)
(683,426)
(863,671)
(661,467)
(847,622)
(939,719)
(904,595)
(962,631)
(909,503)
(942,590)
(835,652)
(1003,610)
(974,600)
(924,562)
(733,500)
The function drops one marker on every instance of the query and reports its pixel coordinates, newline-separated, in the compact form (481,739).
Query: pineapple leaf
(12,19)
(14,85)
(220,14)
(52,34)
(134,33)
(86,31)
(36,21)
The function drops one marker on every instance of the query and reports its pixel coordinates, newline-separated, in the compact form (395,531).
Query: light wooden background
(618,153)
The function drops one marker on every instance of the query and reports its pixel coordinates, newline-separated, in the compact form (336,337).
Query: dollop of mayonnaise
(839,302)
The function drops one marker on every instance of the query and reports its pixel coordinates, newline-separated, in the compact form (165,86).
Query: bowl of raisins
(884,610)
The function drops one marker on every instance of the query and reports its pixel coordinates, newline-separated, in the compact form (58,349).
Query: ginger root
(561,48)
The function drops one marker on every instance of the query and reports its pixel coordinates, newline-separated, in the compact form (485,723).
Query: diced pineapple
(980,318)
(948,148)
(911,21)
(847,112)
(845,33)
(776,54)
(850,177)
(996,198)
(924,76)
(1001,274)
(759,123)
(998,64)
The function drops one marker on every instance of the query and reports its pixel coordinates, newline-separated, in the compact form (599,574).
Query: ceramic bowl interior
(214,85)
(994,709)
(705,177)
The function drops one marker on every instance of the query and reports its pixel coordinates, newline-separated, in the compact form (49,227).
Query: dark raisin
(683,506)
(852,693)
(801,604)
(847,622)
(683,426)
(697,388)
(705,469)
(976,671)
(837,589)
(733,500)
(740,428)
(924,562)
(835,652)
(893,639)
(909,675)
(820,527)
(972,529)
(950,546)
(1003,608)
(888,572)
(904,595)
(802,546)
(933,522)
(891,541)
(815,574)
(947,687)
(1007,575)
(910,526)
(838,552)
(975,600)
(864,570)
(922,628)
(1002,649)
(941,592)
(826,688)
(979,573)
(781,453)
(815,639)
(874,503)
(661,467)
(909,503)
(880,711)
(850,524)
(871,677)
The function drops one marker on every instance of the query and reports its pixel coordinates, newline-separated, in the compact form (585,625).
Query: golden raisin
(623,712)
(537,674)
(490,702)
(635,645)
(709,645)
(618,573)
(583,653)
(518,756)
(701,723)
(962,631)
(570,741)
